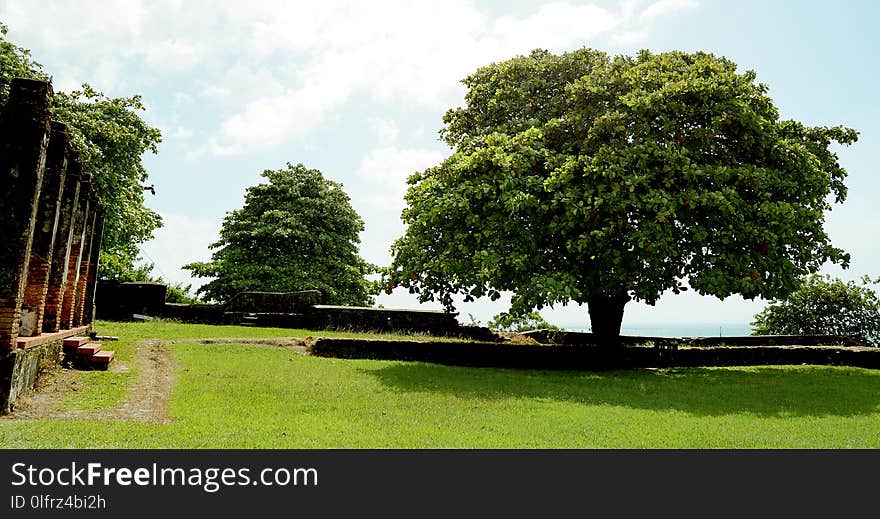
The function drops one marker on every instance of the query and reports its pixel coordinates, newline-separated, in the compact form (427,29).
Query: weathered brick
(85,260)
(94,256)
(68,304)
(63,240)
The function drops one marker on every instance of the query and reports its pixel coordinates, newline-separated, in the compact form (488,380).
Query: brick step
(71,346)
(101,359)
(89,349)
(75,342)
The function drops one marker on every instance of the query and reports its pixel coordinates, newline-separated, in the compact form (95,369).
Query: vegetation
(824,306)
(506,322)
(284,400)
(296,232)
(111,137)
(598,180)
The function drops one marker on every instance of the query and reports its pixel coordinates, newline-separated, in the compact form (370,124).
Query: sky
(358,90)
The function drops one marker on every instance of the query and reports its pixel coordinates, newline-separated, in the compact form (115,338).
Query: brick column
(61,249)
(44,234)
(84,260)
(73,262)
(24,135)
(98,233)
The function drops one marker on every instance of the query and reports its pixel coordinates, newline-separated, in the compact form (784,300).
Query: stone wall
(195,313)
(20,370)
(274,302)
(325,317)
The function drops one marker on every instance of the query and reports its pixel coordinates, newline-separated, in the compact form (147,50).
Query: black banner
(415,483)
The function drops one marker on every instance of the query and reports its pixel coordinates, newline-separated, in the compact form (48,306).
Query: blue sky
(358,90)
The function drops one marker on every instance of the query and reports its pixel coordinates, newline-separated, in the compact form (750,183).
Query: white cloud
(181,133)
(630,37)
(182,98)
(386,130)
(240,84)
(275,70)
(387,170)
(172,55)
(266,122)
(555,26)
(393,51)
(664,7)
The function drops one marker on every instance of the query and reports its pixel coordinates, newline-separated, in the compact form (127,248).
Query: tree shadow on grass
(765,391)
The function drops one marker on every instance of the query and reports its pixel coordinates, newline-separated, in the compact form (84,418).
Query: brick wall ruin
(50,233)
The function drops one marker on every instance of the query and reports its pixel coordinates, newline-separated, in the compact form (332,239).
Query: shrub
(505,322)
(824,306)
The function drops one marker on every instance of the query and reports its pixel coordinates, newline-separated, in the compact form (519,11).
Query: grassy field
(247,395)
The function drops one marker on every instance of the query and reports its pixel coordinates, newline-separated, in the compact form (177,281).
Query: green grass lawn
(242,396)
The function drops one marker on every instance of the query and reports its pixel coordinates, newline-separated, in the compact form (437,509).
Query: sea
(681,329)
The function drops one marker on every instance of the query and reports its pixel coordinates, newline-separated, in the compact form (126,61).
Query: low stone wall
(591,357)
(119,301)
(776,340)
(20,369)
(325,317)
(195,313)
(586,338)
(274,302)
(265,319)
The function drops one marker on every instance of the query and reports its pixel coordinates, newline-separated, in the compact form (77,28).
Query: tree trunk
(606,315)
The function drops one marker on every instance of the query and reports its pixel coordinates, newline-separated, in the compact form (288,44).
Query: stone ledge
(590,358)
(30,342)
(367,309)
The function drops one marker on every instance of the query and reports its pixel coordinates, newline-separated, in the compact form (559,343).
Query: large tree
(296,232)
(586,178)
(111,137)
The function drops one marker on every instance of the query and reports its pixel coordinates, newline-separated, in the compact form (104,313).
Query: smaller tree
(112,138)
(824,306)
(297,232)
(506,322)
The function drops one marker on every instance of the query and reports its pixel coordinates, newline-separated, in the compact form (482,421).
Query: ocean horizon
(680,329)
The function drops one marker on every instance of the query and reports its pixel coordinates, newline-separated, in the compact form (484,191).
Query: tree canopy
(111,137)
(296,232)
(596,179)
(825,306)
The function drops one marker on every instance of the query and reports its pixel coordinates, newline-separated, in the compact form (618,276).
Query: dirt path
(147,399)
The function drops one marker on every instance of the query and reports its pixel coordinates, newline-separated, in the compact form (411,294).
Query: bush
(505,322)
(824,306)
